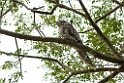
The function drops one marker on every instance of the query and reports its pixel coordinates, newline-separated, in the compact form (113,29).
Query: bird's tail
(85,57)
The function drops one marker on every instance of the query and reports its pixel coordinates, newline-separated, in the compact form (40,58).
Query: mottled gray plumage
(67,31)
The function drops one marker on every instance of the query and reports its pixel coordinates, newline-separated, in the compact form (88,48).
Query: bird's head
(60,23)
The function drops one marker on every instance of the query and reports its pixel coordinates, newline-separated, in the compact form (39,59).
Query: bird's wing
(72,32)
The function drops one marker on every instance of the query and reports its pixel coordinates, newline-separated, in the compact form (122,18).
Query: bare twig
(16,1)
(112,75)
(47,13)
(7,10)
(41,34)
(62,41)
(87,30)
(68,78)
(20,63)
(17,47)
(107,14)
(71,6)
(40,57)
(99,31)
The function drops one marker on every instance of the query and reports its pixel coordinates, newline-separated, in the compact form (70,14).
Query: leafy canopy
(99,23)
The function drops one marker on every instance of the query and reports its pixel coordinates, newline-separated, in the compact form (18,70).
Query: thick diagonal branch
(99,31)
(62,41)
(121,4)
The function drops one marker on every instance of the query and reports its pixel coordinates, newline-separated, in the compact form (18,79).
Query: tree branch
(87,30)
(107,14)
(7,10)
(67,8)
(40,57)
(120,4)
(68,78)
(19,59)
(62,41)
(99,31)
(70,9)
(90,71)
(48,13)
(16,1)
(1,13)
(34,9)
(112,75)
